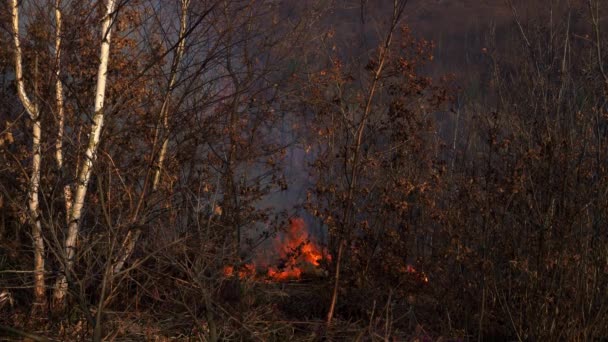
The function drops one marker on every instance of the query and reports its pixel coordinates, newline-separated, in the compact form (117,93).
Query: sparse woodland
(257,170)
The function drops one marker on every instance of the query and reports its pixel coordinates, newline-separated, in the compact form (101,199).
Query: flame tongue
(297,253)
(286,274)
(296,247)
(296,250)
(246,271)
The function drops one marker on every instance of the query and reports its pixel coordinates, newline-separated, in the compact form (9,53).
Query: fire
(412,270)
(228,271)
(246,271)
(286,274)
(296,251)
(296,245)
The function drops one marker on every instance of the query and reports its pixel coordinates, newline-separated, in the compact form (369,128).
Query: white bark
(164,111)
(128,245)
(67,190)
(34,186)
(39,283)
(84,174)
(25,100)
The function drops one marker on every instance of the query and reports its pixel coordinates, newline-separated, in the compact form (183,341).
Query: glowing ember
(228,271)
(411,270)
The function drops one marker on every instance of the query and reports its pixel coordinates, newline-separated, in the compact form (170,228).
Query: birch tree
(59,107)
(32,109)
(164,111)
(84,175)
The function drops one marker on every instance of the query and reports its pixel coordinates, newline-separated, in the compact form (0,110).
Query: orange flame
(246,271)
(286,274)
(296,250)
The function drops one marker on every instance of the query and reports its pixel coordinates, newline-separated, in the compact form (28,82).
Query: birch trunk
(67,190)
(128,245)
(164,111)
(61,285)
(38,240)
(34,185)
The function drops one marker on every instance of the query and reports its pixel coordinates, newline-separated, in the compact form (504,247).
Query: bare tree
(32,109)
(59,106)
(162,128)
(360,125)
(75,214)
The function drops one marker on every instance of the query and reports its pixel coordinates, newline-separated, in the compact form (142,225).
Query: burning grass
(295,252)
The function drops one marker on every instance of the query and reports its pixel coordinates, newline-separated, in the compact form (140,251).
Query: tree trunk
(34,185)
(38,240)
(164,111)
(84,175)
(67,190)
